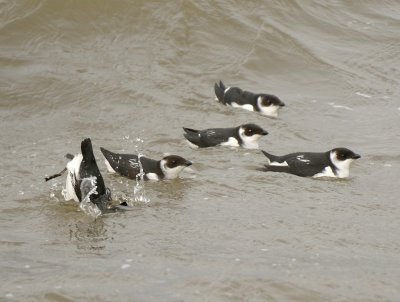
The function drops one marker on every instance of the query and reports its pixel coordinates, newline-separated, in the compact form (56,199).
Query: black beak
(264,132)
(282,104)
(356,156)
(188,163)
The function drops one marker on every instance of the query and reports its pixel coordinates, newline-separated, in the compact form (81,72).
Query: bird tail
(191,135)
(87,149)
(111,164)
(270,157)
(220,91)
(106,153)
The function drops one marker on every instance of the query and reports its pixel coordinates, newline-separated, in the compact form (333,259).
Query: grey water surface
(130,75)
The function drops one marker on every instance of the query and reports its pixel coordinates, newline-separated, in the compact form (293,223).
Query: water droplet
(139,192)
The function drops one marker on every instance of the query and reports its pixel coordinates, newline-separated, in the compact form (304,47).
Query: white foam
(87,206)
(341,106)
(363,94)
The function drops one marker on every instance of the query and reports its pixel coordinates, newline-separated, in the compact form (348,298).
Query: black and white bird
(333,163)
(246,136)
(128,165)
(265,104)
(84,180)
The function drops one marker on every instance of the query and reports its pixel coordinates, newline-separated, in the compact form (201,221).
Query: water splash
(88,207)
(139,191)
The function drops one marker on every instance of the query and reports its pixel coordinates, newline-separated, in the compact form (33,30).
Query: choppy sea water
(130,75)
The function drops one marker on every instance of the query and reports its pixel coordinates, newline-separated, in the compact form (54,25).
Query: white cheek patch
(342,166)
(173,173)
(170,173)
(245,107)
(269,110)
(249,142)
(232,142)
(152,176)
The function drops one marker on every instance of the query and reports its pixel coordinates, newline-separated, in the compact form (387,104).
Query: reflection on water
(89,235)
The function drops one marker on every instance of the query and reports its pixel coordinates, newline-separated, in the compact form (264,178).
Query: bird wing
(125,164)
(214,137)
(234,95)
(304,165)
